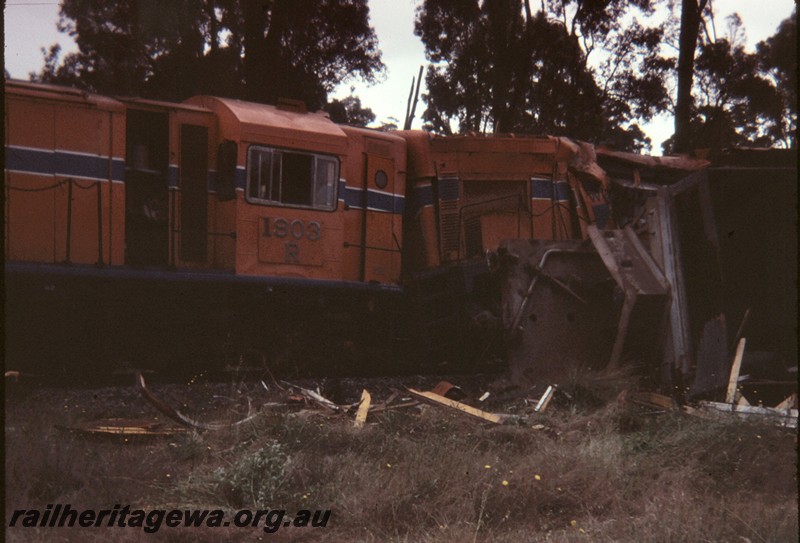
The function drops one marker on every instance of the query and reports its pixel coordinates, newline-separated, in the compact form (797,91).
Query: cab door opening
(194,193)
(146,188)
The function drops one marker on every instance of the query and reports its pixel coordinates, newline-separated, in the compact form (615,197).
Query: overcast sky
(31,25)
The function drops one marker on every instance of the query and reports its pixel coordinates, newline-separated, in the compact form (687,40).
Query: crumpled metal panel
(560,308)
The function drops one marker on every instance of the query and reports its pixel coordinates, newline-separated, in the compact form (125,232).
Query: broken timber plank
(363,409)
(735,368)
(127,427)
(544,401)
(441,400)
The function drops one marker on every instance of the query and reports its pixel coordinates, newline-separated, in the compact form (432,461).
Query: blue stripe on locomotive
(66,163)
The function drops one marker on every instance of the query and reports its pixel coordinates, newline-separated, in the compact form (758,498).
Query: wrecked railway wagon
(181,236)
(724,232)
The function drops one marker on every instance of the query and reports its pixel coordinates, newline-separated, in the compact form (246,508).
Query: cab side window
(291,178)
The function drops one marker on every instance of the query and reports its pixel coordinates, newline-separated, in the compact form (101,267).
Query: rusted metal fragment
(448,390)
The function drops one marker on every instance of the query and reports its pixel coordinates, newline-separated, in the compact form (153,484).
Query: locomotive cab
(313,200)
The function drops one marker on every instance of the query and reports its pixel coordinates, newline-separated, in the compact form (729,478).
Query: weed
(254,479)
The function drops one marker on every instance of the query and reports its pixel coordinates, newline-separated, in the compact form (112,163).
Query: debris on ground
(179,417)
(317,398)
(448,390)
(464,408)
(544,401)
(784,414)
(363,409)
(127,427)
(523,406)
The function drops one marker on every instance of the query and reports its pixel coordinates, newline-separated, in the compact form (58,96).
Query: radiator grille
(449,192)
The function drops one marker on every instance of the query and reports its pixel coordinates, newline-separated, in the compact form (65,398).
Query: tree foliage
(739,97)
(498,66)
(594,69)
(777,57)
(254,49)
(349,110)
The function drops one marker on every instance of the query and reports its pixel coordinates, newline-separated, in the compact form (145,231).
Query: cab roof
(249,122)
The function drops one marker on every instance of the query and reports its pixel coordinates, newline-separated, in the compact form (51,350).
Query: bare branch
(176,415)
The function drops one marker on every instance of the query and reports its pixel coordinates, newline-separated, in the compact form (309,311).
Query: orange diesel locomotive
(147,232)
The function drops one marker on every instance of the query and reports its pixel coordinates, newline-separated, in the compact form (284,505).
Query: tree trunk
(690,27)
(254,50)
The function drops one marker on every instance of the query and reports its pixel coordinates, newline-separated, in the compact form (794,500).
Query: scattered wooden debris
(363,409)
(179,417)
(735,369)
(441,400)
(544,401)
(780,417)
(383,407)
(392,397)
(317,398)
(784,414)
(127,427)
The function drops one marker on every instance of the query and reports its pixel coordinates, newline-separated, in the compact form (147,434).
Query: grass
(596,472)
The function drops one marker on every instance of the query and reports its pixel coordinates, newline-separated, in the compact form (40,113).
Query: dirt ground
(590,468)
